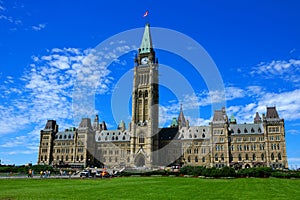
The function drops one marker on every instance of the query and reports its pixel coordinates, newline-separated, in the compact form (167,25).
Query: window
(245,130)
(45,158)
(262,157)
(278,147)
(196,159)
(259,130)
(272,156)
(189,159)
(216,157)
(240,157)
(41,158)
(253,157)
(222,157)
(246,157)
(252,130)
(239,131)
(67,158)
(203,159)
(141,139)
(279,156)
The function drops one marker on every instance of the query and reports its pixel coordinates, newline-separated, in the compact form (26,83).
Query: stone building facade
(223,142)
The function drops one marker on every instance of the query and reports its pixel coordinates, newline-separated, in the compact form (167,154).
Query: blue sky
(254,44)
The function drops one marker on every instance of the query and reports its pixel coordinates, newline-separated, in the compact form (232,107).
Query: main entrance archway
(139,161)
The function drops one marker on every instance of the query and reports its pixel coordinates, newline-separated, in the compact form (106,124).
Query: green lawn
(150,188)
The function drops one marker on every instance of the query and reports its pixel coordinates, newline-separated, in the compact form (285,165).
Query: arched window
(99,138)
(117,138)
(262,157)
(240,157)
(45,158)
(203,159)
(67,157)
(252,130)
(279,156)
(65,136)
(239,131)
(141,139)
(245,130)
(278,146)
(246,157)
(81,157)
(259,130)
(196,159)
(41,158)
(254,157)
(222,157)
(60,136)
(77,158)
(189,159)
(69,136)
(62,158)
(272,156)
(216,157)
(123,137)
(140,94)
(113,138)
(203,135)
(146,93)
(190,136)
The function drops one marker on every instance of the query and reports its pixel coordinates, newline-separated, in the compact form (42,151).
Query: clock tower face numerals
(144,60)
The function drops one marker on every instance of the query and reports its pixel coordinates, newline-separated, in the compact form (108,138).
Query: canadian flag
(146,13)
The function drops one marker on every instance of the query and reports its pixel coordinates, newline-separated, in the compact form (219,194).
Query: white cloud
(38,27)
(286,70)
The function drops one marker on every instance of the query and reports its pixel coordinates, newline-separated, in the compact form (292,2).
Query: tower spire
(146,44)
(181,118)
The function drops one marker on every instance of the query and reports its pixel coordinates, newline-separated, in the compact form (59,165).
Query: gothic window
(245,130)
(253,157)
(222,157)
(123,137)
(81,157)
(239,131)
(203,135)
(99,138)
(216,157)
(189,159)
(140,94)
(278,146)
(72,158)
(279,156)
(141,139)
(69,136)
(146,93)
(203,159)
(252,130)
(246,157)
(45,158)
(60,137)
(62,158)
(259,130)
(272,156)
(196,159)
(113,138)
(41,158)
(77,158)
(262,157)
(117,138)
(67,158)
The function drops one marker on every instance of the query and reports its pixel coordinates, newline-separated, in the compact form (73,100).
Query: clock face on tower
(144,60)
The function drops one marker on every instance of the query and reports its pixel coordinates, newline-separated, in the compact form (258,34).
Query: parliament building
(144,145)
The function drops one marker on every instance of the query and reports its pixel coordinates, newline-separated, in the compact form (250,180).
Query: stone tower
(144,124)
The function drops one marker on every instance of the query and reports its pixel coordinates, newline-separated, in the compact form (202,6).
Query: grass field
(150,188)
